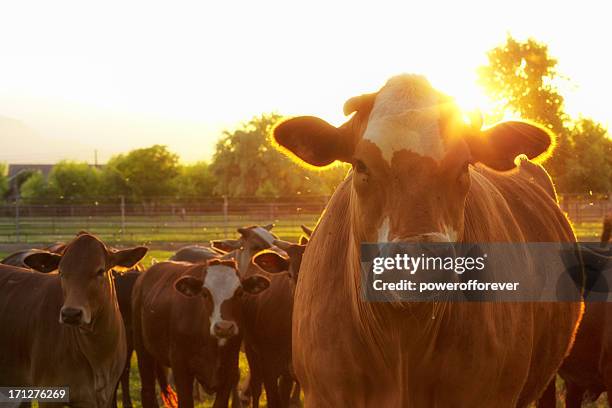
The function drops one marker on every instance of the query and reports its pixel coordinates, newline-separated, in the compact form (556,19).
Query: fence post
(225,216)
(122,217)
(17,226)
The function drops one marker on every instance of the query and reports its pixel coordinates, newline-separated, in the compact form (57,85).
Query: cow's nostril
(223,329)
(71,315)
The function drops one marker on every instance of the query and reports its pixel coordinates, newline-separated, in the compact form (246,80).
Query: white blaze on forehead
(405,117)
(222,282)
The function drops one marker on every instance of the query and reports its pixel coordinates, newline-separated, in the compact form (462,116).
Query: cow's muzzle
(224,329)
(71,316)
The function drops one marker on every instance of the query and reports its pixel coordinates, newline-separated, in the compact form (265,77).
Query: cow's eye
(360,166)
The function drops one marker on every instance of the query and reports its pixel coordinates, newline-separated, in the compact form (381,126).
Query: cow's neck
(425,319)
(102,344)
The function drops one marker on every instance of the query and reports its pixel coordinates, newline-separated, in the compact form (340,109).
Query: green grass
(141,229)
(602,401)
(206,402)
(157,255)
(588,231)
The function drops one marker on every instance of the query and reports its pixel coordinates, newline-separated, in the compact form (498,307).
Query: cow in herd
(124,285)
(37,259)
(199,284)
(187,317)
(420,173)
(268,326)
(78,309)
(587,370)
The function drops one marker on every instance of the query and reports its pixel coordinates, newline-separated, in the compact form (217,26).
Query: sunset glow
(115,76)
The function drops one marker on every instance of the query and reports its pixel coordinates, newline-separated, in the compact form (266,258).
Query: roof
(14,169)
(45,169)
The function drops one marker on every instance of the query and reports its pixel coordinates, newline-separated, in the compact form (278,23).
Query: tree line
(520,78)
(245,164)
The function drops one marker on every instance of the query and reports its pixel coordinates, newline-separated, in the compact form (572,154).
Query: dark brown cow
(124,285)
(587,371)
(187,317)
(56,248)
(38,260)
(196,253)
(606,234)
(267,320)
(420,173)
(78,310)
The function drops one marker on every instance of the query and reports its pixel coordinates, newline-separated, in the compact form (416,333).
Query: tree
(142,174)
(73,182)
(35,189)
(521,77)
(195,180)
(239,162)
(3,180)
(589,166)
(246,163)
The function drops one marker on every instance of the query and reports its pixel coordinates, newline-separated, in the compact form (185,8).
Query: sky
(83,76)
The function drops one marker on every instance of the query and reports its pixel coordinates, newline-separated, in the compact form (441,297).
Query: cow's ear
(315,141)
(224,262)
(303,240)
(255,284)
(498,146)
(226,245)
(307,231)
(296,250)
(189,286)
(271,262)
(127,258)
(44,262)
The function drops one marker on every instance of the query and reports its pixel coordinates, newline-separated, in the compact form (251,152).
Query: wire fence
(586,208)
(157,221)
(162,221)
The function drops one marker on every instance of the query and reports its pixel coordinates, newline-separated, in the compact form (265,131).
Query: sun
(470,98)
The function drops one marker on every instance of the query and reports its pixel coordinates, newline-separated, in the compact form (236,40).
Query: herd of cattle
(190,314)
(420,173)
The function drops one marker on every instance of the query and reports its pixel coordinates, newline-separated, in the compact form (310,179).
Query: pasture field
(165,229)
(170,231)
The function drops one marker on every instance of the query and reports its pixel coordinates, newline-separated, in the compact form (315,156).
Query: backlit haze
(79,76)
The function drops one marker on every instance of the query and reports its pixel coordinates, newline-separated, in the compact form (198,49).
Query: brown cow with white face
(78,310)
(188,317)
(420,173)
